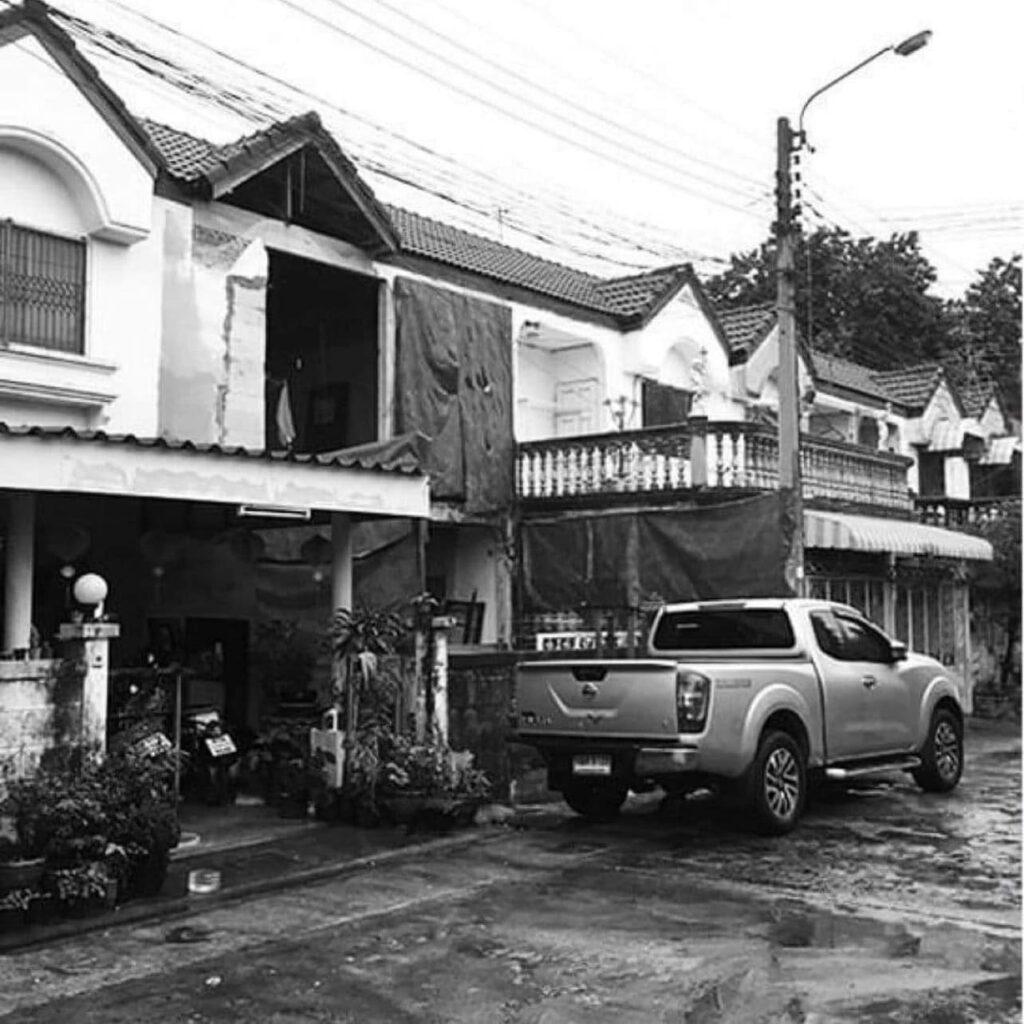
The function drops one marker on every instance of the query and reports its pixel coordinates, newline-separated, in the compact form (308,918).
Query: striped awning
(949,436)
(1001,451)
(867,533)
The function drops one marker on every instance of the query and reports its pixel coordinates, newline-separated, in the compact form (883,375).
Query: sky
(620,135)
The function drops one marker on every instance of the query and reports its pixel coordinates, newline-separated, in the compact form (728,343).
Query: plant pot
(44,909)
(12,919)
(21,874)
(146,877)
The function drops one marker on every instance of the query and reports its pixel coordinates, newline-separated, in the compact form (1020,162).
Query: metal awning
(867,533)
(1001,451)
(79,462)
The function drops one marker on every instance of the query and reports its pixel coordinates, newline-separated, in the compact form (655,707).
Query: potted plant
(84,889)
(27,806)
(431,778)
(14,906)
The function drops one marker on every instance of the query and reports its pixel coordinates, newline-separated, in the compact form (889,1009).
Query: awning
(949,436)
(92,462)
(867,533)
(1001,451)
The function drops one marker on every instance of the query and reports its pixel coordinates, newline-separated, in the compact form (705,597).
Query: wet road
(885,906)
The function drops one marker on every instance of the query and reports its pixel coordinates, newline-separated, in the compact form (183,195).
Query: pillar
(341,561)
(89,644)
(18,564)
(439,627)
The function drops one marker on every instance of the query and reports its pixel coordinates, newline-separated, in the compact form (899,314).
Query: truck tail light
(692,692)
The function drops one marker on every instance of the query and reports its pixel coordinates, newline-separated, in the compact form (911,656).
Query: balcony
(663,461)
(958,513)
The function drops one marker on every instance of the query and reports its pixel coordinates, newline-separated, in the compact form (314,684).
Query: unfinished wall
(40,708)
(214,334)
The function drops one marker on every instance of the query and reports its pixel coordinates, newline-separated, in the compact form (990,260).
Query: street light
(788,143)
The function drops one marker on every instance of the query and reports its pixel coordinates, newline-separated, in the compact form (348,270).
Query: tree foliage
(870,300)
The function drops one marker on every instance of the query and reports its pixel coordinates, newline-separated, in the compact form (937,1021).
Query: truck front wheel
(779,783)
(595,802)
(942,757)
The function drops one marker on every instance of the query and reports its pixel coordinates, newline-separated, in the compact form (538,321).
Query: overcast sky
(652,118)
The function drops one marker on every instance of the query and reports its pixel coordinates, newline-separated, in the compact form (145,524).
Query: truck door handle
(869,682)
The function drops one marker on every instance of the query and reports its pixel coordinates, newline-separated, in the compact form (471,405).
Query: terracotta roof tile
(912,386)
(842,373)
(976,398)
(746,326)
(190,159)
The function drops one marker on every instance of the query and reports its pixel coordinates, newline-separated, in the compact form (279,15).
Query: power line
(630,240)
(569,102)
(520,118)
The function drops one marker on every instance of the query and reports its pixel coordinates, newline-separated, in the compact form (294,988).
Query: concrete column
(89,644)
(341,561)
(18,563)
(439,626)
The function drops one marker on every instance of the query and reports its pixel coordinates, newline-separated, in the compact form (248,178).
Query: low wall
(480,708)
(40,708)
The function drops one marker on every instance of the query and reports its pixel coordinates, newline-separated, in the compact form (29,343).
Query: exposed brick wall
(480,705)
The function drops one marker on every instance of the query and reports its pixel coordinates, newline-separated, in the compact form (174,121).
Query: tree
(984,339)
(865,299)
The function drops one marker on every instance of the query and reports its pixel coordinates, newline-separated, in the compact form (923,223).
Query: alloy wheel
(782,783)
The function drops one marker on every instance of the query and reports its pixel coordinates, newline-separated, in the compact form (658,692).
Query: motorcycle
(212,758)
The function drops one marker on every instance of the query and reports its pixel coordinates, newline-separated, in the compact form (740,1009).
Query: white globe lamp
(91,589)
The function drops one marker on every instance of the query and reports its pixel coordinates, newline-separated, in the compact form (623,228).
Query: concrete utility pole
(789,375)
(788,143)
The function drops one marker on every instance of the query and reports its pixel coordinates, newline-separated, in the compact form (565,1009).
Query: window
(724,629)
(848,639)
(42,289)
(664,405)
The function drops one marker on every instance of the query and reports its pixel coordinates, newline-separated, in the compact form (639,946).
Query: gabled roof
(841,373)
(628,301)
(913,386)
(746,327)
(977,397)
(32,18)
(199,167)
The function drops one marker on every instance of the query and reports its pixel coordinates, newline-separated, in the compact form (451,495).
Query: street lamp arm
(828,85)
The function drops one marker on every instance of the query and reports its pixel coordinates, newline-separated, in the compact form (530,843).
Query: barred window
(42,289)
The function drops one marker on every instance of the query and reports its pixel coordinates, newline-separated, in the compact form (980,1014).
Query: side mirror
(897,650)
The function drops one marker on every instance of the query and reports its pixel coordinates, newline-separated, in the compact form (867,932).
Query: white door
(575,407)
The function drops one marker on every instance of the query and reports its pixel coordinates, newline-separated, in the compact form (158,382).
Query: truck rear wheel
(595,802)
(942,757)
(778,779)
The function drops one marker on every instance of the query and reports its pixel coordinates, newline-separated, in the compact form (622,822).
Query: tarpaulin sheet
(735,549)
(453,369)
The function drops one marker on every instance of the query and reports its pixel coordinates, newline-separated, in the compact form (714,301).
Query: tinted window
(724,629)
(848,639)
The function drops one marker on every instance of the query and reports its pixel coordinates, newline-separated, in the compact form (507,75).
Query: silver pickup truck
(758,698)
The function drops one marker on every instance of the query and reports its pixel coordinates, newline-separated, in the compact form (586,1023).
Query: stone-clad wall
(480,706)
(40,708)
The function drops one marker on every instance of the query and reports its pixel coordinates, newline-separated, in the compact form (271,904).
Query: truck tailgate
(606,699)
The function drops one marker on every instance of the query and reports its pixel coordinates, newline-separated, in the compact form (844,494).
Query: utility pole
(788,378)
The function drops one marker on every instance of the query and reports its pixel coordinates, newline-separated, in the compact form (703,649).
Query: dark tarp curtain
(736,549)
(453,368)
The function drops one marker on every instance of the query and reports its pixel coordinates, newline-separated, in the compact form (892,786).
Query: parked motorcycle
(212,758)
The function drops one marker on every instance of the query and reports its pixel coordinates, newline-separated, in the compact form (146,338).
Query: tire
(942,756)
(595,802)
(778,781)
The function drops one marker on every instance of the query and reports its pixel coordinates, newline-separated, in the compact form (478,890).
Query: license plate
(220,746)
(592,764)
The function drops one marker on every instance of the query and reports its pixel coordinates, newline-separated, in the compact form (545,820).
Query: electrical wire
(526,120)
(626,235)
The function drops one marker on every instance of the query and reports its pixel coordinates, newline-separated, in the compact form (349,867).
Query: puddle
(796,926)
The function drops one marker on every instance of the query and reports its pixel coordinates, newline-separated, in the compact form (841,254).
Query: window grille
(42,289)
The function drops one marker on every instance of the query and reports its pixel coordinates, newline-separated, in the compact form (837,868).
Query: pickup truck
(754,698)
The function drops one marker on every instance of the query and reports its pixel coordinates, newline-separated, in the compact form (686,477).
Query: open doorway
(321,356)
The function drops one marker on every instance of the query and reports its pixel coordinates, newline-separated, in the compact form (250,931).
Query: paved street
(885,906)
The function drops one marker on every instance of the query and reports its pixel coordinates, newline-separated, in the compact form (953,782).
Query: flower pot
(146,877)
(12,919)
(21,874)
(44,909)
